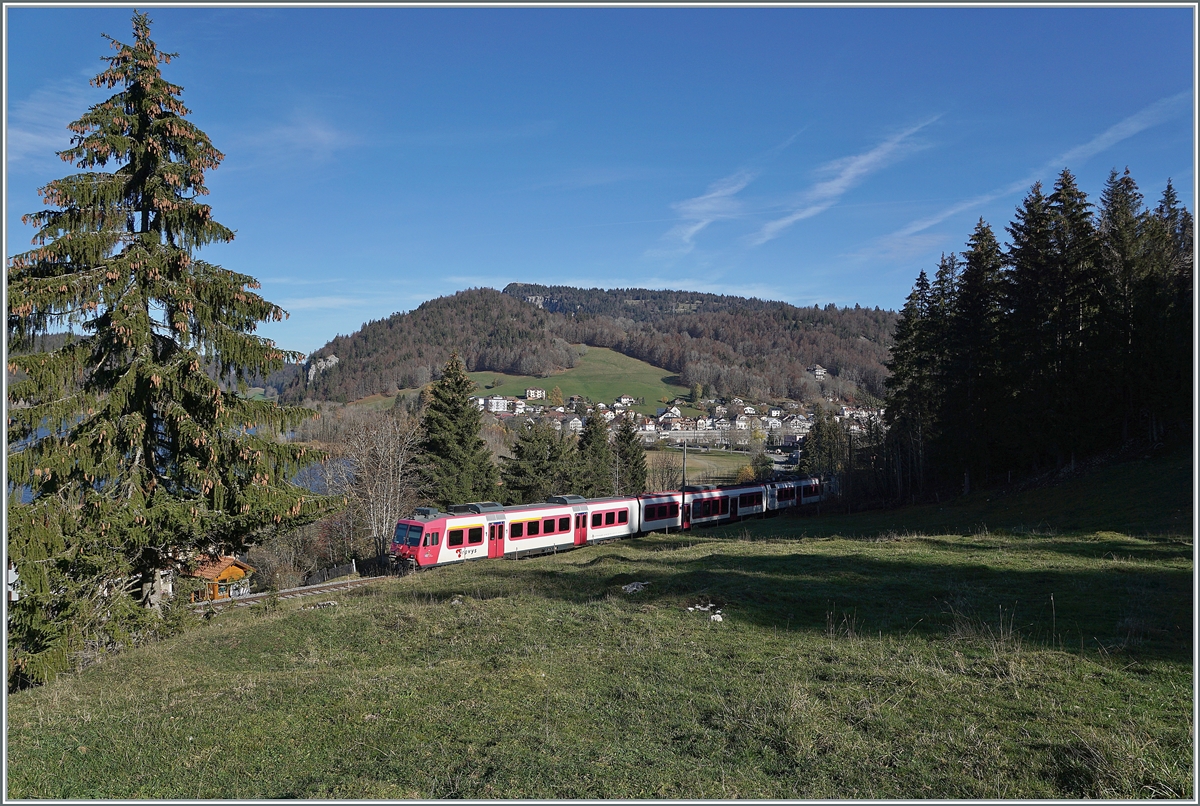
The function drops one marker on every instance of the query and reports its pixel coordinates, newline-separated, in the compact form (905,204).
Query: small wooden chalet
(224,577)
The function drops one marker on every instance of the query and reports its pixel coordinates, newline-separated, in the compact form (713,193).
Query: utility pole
(685,461)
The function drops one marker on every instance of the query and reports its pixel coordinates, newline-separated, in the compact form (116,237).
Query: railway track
(290,593)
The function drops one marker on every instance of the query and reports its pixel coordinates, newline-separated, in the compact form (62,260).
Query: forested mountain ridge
(729,345)
(488,330)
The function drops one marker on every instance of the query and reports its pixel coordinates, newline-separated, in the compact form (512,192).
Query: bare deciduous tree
(375,468)
(664,471)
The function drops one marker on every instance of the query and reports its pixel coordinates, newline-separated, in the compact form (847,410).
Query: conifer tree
(1170,317)
(595,459)
(1029,331)
(911,400)
(1128,290)
(825,447)
(458,464)
(1076,319)
(543,463)
(630,465)
(975,398)
(125,458)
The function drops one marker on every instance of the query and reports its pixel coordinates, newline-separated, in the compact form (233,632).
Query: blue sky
(380,157)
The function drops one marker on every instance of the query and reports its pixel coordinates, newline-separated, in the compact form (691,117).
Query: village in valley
(734,422)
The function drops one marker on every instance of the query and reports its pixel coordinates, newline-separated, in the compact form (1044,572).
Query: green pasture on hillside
(602,375)
(853,659)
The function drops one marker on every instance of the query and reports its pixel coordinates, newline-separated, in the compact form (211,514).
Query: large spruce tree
(125,457)
(544,463)
(975,398)
(458,464)
(911,398)
(595,467)
(630,467)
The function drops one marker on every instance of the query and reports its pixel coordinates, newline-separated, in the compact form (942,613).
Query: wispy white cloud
(717,203)
(304,134)
(845,174)
(695,214)
(37,125)
(1158,112)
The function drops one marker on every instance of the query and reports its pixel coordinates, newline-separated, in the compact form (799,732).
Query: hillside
(489,330)
(729,345)
(915,660)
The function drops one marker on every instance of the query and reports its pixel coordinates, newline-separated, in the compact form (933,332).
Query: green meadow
(602,375)
(1031,645)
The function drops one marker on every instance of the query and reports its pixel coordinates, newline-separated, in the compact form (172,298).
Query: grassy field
(602,375)
(704,466)
(1032,646)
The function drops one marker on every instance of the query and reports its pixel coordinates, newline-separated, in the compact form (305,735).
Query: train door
(733,506)
(580,528)
(495,540)
(429,548)
(686,512)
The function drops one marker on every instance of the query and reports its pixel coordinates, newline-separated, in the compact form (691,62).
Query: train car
(612,518)
(487,529)
(709,505)
(433,538)
(556,525)
(661,512)
(812,491)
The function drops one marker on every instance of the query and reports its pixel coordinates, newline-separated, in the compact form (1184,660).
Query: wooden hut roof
(212,568)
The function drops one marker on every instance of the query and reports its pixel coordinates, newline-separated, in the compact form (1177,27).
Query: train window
(673,512)
(597,519)
(401,531)
(725,505)
(548,526)
(414,536)
(610,518)
(518,530)
(475,535)
(623,516)
(455,537)
(564,524)
(435,538)
(533,527)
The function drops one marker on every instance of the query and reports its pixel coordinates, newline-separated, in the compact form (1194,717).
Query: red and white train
(490,530)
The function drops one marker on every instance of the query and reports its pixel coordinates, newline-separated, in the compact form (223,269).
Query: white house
(626,400)
(574,425)
(497,403)
(742,423)
(533,393)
